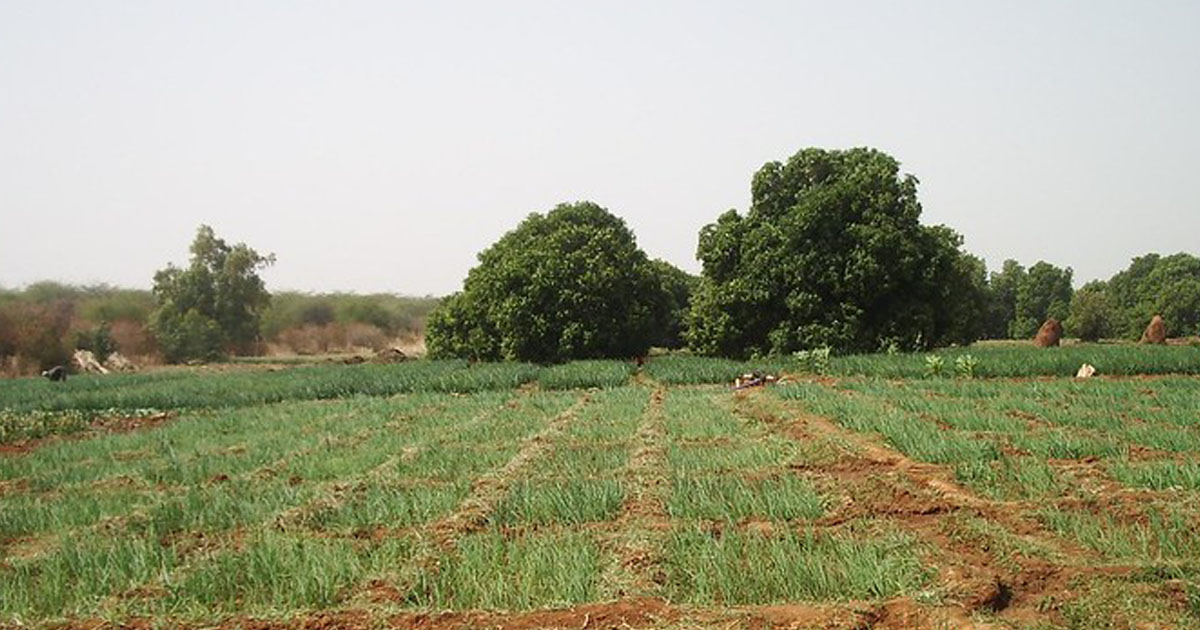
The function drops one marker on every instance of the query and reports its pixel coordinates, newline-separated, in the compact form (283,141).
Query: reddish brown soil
(99,426)
(636,613)
(869,481)
(877,481)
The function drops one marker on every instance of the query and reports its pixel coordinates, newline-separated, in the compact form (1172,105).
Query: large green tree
(569,284)
(1002,299)
(1157,285)
(1043,292)
(1091,313)
(212,306)
(832,253)
(678,287)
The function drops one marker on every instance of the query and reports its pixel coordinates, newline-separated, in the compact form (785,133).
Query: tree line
(830,254)
(42,324)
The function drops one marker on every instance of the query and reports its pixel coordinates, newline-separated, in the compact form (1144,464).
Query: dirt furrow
(636,570)
(923,498)
(334,494)
(488,490)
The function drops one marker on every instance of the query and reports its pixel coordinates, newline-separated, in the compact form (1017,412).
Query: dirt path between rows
(441,537)
(637,542)
(96,428)
(487,491)
(925,500)
(334,494)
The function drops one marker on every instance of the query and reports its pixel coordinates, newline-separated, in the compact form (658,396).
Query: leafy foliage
(1157,285)
(214,305)
(570,284)
(1091,313)
(679,286)
(98,340)
(1002,299)
(1044,292)
(832,253)
(1019,300)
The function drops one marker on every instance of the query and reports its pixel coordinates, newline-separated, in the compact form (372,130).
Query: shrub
(358,335)
(98,341)
(132,338)
(192,336)
(38,332)
(393,315)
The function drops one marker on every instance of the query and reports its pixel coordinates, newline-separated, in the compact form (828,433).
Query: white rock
(86,361)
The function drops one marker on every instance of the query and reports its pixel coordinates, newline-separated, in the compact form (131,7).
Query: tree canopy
(1043,292)
(1157,285)
(1091,313)
(214,305)
(569,284)
(678,287)
(832,253)
(1002,299)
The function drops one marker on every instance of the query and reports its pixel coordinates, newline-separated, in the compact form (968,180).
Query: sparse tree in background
(1043,292)
(570,284)
(1091,313)
(1157,285)
(832,253)
(214,305)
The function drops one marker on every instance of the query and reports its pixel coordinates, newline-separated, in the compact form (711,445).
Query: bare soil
(98,427)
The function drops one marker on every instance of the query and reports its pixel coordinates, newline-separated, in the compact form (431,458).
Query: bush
(132,338)
(392,315)
(41,324)
(99,341)
(37,333)
(192,336)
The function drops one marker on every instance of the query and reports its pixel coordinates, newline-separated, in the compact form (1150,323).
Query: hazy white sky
(378,146)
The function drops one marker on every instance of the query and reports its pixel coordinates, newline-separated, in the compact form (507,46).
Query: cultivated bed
(828,502)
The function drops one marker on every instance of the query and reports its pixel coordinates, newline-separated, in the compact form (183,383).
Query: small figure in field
(1049,334)
(1156,332)
(640,361)
(753,379)
(56,373)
